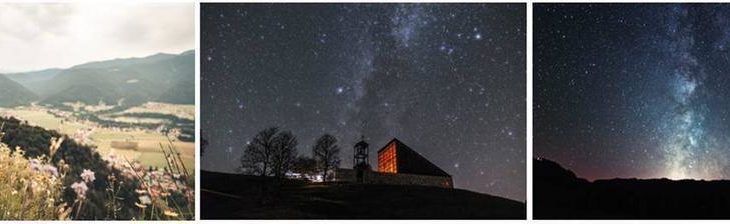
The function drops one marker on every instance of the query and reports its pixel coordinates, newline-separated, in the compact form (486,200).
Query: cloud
(47,35)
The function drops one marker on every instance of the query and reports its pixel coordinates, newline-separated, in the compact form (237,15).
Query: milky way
(446,79)
(633,90)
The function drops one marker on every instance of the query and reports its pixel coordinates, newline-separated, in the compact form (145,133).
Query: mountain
(127,81)
(34,76)
(13,94)
(559,194)
(34,81)
(235,196)
(181,93)
(123,62)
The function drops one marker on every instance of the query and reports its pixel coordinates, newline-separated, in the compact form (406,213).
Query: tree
(326,153)
(256,159)
(283,154)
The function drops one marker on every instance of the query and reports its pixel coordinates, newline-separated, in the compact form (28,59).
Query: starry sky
(633,90)
(446,79)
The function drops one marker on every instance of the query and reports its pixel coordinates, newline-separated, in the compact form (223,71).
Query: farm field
(148,151)
(178,110)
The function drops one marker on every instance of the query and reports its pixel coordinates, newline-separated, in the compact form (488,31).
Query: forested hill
(13,94)
(166,78)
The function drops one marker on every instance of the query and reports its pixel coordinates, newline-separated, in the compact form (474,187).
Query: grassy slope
(230,196)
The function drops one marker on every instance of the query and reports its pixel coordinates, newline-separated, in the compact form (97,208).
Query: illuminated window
(387,160)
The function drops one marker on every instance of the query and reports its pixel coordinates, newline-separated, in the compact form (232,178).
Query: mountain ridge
(128,81)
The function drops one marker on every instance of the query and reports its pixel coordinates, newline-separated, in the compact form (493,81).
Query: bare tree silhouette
(284,153)
(326,153)
(257,154)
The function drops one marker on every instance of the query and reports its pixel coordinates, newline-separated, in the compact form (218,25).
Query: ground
(233,196)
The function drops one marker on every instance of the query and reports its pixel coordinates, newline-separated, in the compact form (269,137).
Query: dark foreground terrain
(232,196)
(559,194)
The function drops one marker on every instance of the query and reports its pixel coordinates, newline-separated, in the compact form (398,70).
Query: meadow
(179,110)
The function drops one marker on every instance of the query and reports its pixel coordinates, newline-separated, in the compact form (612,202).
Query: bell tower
(360,161)
(361,153)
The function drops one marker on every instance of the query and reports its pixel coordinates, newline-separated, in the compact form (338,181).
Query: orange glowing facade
(398,164)
(387,161)
(396,157)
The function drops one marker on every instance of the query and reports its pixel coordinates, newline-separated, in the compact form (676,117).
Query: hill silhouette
(559,194)
(234,196)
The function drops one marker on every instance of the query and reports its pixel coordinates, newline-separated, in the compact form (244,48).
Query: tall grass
(30,189)
(163,194)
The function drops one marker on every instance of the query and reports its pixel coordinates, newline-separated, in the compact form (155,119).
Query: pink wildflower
(88,176)
(80,188)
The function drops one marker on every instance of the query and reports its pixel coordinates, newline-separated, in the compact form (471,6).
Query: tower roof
(361,143)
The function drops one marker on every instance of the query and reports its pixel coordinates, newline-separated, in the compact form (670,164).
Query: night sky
(633,90)
(447,80)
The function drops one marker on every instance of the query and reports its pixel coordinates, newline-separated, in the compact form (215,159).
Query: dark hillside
(559,194)
(233,196)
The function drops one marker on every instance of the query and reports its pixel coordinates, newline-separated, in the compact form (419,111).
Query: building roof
(410,161)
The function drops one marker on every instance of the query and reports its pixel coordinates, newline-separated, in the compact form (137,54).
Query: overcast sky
(59,35)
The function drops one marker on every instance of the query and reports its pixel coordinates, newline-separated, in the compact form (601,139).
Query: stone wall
(370,177)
